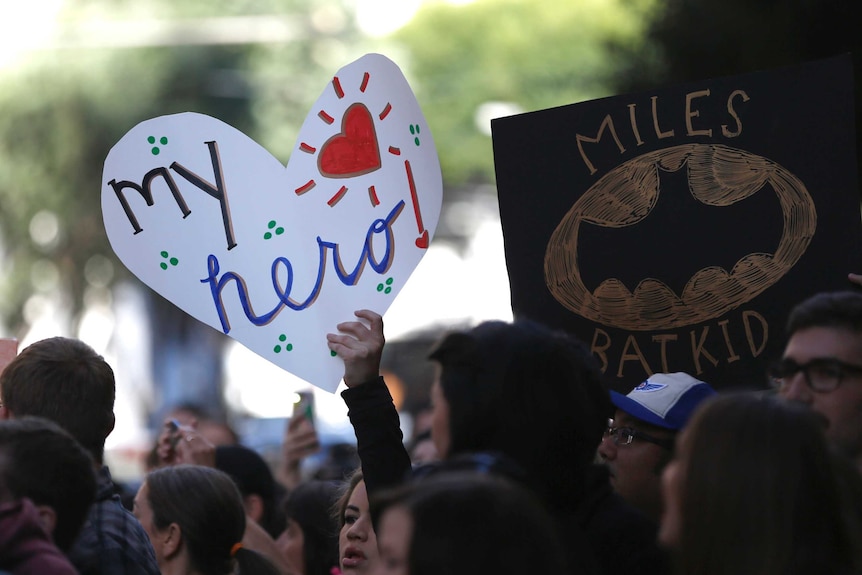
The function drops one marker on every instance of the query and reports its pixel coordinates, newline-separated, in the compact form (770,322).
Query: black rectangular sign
(674,230)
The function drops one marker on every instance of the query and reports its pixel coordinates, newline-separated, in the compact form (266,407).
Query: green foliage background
(62,109)
(534,55)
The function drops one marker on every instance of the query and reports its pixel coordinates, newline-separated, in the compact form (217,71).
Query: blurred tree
(259,71)
(63,109)
(497,57)
(696,39)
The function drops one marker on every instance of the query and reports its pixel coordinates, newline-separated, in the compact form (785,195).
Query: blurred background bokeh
(75,75)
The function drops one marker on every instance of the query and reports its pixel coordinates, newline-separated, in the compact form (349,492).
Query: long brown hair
(761,494)
(207,506)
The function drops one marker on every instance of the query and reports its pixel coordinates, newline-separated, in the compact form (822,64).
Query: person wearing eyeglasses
(519,390)
(639,440)
(822,365)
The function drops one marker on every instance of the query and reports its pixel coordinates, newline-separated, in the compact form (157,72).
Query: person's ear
(47,518)
(254,507)
(171,540)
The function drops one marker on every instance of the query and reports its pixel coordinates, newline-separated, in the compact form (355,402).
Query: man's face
(635,468)
(842,407)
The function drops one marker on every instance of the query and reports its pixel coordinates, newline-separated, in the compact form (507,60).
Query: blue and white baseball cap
(665,399)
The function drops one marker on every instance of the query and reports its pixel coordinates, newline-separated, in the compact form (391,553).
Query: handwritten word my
(216,190)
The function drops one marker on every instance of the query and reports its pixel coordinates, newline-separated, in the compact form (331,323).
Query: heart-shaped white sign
(275,257)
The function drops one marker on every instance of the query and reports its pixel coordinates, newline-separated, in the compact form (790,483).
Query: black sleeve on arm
(379,440)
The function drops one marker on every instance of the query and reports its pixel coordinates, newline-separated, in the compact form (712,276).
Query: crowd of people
(533,466)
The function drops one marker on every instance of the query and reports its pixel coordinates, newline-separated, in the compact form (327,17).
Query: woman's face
(440,419)
(357,542)
(144,514)
(290,543)
(396,532)
(672,484)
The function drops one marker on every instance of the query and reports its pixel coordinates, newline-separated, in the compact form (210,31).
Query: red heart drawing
(354,151)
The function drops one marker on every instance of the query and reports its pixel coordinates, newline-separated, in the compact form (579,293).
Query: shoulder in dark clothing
(112,541)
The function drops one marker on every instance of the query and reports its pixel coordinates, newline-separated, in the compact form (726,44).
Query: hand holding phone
(304,406)
(180,443)
(166,443)
(300,439)
(174,432)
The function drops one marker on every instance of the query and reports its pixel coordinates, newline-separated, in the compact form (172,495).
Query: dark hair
(759,480)
(527,392)
(252,476)
(41,461)
(340,507)
(340,461)
(466,523)
(487,462)
(66,381)
(417,439)
(195,410)
(206,505)
(842,309)
(310,505)
(207,421)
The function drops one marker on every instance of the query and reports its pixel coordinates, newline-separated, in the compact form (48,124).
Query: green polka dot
(174,261)
(389,282)
(416,141)
(379,287)
(272,226)
(164,140)
(155,151)
(412,130)
(388,290)
(278,348)
(163,265)
(332,353)
(151,140)
(164,254)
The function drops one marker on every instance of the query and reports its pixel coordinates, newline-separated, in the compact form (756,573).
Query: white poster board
(276,256)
